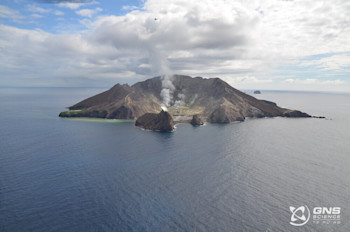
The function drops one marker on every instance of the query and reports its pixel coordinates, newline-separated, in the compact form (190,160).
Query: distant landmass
(187,99)
(257,92)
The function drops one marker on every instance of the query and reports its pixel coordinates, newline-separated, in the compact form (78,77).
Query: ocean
(107,175)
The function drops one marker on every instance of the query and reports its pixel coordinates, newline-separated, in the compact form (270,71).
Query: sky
(271,44)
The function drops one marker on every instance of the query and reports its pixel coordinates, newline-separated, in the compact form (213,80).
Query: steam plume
(181,101)
(167,89)
(159,65)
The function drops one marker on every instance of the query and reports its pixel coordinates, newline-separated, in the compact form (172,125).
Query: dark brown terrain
(213,100)
(196,120)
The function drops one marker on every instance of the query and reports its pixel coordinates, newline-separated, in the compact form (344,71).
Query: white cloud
(76,5)
(6,12)
(187,36)
(88,12)
(38,16)
(246,80)
(130,8)
(242,41)
(40,12)
(67,58)
(313,81)
(71,5)
(302,81)
(303,28)
(332,82)
(36,9)
(337,63)
(58,13)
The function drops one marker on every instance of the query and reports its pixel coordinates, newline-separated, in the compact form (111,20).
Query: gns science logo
(321,215)
(300,216)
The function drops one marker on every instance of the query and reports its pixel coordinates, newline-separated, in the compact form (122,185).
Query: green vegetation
(72,113)
(101,120)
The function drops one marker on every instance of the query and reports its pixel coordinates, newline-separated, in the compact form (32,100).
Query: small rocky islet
(162,122)
(194,100)
(196,120)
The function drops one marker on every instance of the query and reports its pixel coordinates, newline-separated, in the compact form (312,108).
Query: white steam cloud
(160,65)
(168,89)
(181,101)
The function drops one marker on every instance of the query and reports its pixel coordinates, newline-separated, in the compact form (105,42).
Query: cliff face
(213,99)
(158,122)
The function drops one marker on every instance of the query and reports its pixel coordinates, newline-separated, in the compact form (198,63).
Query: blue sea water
(107,175)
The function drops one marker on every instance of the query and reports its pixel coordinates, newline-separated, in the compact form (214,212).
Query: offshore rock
(196,120)
(157,122)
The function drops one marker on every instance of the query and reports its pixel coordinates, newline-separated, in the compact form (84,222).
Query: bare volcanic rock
(295,114)
(157,122)
(196,120)
(212,98)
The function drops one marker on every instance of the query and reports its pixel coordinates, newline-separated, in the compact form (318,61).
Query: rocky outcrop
(196,120)
(213,99)
(295,114)
(157,122)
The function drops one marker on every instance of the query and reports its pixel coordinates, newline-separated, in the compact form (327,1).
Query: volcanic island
(161,102)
